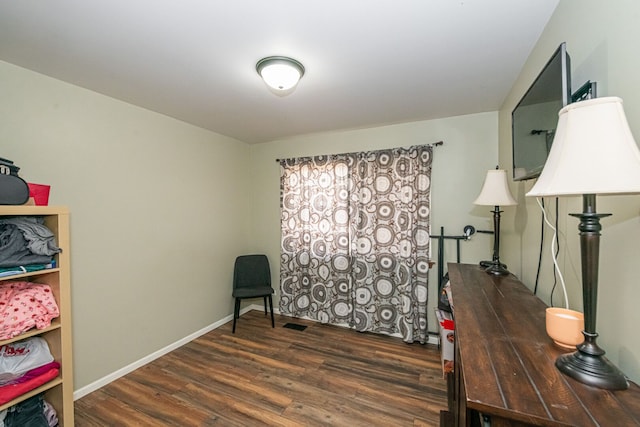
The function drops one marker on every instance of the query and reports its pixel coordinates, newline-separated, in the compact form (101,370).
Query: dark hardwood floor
(324,375)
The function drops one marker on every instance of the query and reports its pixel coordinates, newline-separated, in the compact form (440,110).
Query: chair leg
(273,324)
(265,306)
(236,314)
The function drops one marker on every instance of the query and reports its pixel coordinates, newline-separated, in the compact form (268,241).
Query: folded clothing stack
(24,366)
(24,305)
(25,240)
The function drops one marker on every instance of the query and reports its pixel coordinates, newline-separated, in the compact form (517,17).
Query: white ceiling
(368,62)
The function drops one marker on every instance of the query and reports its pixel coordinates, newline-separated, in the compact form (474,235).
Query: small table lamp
(593,153)
(495,192)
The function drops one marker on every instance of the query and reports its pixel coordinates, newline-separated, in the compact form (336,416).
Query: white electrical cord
(554,253)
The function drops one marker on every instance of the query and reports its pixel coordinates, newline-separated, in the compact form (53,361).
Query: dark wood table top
(508,360)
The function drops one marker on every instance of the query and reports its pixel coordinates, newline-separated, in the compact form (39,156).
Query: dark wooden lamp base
(589,365)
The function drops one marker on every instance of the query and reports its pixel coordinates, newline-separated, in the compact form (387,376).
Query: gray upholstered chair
(252,279)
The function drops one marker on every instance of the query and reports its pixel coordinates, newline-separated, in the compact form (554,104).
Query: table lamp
(593,152)
(495,192)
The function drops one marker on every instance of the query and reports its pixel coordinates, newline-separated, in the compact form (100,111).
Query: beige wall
(158,209)
(602,39)
(458,171)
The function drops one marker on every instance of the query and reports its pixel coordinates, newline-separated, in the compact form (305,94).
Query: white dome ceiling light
(280,73)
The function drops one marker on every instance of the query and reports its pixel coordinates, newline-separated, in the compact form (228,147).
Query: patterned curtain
(355,240)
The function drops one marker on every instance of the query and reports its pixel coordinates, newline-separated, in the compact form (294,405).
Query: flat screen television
(534,119)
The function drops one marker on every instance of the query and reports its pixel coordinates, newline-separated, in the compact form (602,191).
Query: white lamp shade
(280,76)
(593,152)
(495,190)
(280,73)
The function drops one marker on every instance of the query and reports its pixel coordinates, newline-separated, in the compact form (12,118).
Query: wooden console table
(504,364)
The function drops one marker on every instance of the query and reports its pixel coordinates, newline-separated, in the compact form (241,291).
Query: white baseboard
(77,394)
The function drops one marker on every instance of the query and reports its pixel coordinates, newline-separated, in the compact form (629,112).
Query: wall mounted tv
(534,120)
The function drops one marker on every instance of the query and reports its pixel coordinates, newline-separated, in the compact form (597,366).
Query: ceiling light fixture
(280,73)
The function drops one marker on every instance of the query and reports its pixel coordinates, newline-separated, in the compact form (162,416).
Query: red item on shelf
(40,193)
(10,392)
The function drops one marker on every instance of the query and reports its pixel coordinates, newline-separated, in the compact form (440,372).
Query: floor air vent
(295,326)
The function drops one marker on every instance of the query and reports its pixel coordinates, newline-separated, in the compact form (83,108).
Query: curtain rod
(435,144)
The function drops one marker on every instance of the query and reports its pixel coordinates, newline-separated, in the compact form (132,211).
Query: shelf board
(55,324)
(29,274)
(32,210)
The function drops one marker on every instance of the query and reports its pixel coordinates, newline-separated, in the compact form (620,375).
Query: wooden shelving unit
(59,391)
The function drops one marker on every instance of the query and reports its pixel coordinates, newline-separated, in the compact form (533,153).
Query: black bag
(443,298)
(13,189)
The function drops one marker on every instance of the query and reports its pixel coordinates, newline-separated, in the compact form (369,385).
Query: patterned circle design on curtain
(319,293)
(423,183)
(301,302)
(383,184)
(341,170)
(386,262)
(325,180)
(320,203)
(343,287)
(387,314)
(324,274)
(363,296)
(305,283)
(422,265)
(322,316)
(362,220)
(405,274)
(425,155)
(365,195)
(342,242)
(386,210)
(303,257)
(289,201)
(360,270)
(355,244)
(384,235)
(340,263)
(407,194)
(306,240)
(289,243)
(288,285)
(403,167)
(361,321)
(325,226)
(319,249)
(383,286)
(363,245)
(341,310)
(403,220)
(405,247)
(423,211)
(421,236)
(343,194)
(383,157)
(420,294)
(304,215)
(341,217)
